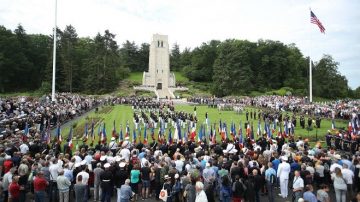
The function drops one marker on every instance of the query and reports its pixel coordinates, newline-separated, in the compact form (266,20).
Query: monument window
(162,44)
(158,43)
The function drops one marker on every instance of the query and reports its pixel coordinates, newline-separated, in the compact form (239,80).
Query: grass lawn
(136,76)
(123,113)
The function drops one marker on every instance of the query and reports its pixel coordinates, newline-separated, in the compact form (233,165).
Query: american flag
(315,20)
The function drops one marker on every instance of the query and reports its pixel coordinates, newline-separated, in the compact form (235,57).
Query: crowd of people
(40,113)
(283,169)
(340,109)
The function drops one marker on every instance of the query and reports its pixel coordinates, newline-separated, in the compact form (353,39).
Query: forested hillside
(97,65)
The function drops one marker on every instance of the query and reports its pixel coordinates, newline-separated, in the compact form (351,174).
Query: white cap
(117,158)
(125,144)
(110,159)
(207,164)
(284,158)
(113,138)
(102,158)
(337,156)
(107,165)
(176,176)
(122,164)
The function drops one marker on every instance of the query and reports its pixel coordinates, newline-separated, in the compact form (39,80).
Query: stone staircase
(163,93)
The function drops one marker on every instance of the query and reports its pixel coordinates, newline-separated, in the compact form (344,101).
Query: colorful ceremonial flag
(92,131)
(193,134)
(274,124)
(99,132)
(145,136)
(232,131)
(178,131)
(114,130)
(188,132)
(269,131)
(86,135)
(134,136)
(200,136)
(127,131)
(170,141)
(248,129)
(258,133)
(121,138)
(185,136)
(58,134)
(103,134)
(152,134)
(69,139)
(240,136)
(220,126)
(316,21)
(286,129)
(252,132)
(280,133)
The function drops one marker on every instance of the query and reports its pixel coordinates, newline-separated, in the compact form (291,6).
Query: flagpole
(54,58)
(310,69)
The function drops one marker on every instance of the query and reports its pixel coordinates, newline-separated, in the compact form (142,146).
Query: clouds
(190,23)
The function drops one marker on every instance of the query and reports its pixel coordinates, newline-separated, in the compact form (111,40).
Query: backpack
(272,179)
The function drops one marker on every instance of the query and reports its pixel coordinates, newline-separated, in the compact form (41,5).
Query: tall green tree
(232,69)
(175,58)
(327,81)
(129,56)
(68,41)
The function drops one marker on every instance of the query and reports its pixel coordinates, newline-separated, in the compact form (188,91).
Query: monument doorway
(159,86)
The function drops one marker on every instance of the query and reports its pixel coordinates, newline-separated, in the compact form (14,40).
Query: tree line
(96,65)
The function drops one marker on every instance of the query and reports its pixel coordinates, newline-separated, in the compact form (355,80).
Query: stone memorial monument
(159,78)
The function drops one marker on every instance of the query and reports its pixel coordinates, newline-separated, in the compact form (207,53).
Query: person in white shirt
(84,174)
(283,173)
(125,153)
(144,160)
(77,157)
(53,169)
(348,176)
(113,145)
(298,186)
(179,164)
(200,193)
(24,148)
(335,164)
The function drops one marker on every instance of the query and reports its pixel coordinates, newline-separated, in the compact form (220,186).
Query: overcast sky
(192,22)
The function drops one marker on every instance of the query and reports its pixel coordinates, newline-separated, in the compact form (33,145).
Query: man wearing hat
(119,179)
(283,173)
(106,183)
(125,152)
(113,145)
